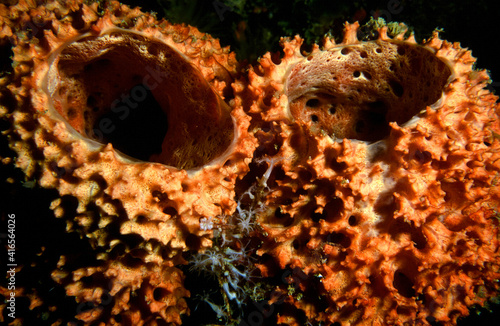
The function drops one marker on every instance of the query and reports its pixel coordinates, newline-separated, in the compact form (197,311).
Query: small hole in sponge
(339,238)
(422,157)
(403,284)
(296,244)
(332,209)
(396,87)
(419,239)
(159,294)
(281,218)
(169,210)
(312,103)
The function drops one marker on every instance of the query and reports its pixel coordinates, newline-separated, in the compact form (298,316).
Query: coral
(356,183)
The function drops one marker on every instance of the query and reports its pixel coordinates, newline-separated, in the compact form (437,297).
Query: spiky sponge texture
(362,175)
(384,205)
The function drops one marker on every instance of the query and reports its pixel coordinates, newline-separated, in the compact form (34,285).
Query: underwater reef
(154,177)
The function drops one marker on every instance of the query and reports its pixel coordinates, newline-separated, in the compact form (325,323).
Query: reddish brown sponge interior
(355,91)
(144,98)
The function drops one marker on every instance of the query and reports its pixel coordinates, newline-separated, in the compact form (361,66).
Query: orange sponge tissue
(363,175)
